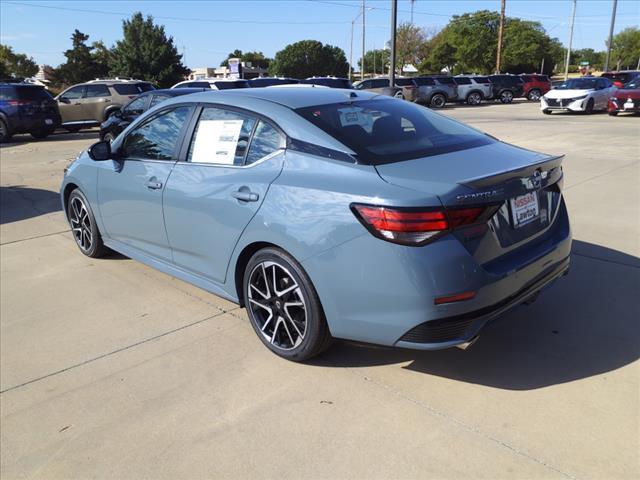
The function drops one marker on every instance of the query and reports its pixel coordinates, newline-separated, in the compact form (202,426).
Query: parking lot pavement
(111,369)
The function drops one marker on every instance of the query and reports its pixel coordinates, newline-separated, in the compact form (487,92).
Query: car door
(70,104)
(604,89)
(131,186)
(95,101)
(210,198)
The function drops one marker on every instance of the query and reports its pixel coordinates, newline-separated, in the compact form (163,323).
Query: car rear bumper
(378,292)
(34,123)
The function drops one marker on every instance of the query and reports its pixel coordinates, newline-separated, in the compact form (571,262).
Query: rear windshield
(386,130)
(329,82)
(132,88)
(230,85)
(268,82)
(446,80)
(32,93)
(482,79)
(462,81)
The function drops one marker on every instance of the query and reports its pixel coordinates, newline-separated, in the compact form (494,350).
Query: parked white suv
(214,83)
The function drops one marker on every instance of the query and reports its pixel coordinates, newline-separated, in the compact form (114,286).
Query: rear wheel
(506,96)
(438,101)
(283,306)
(589,108)
(613,113)
(83,225)
(534,95)
(42,133)
(5,134)
(474,98)
(546,112)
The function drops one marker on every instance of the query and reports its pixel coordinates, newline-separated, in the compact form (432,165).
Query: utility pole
(363,24)
(613,21)
(351,50)
(412,2)
(566,64)
(500,33)
(392,59)
(542,66)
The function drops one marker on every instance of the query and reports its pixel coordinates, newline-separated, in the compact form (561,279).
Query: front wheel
(5,134)
(589,108)
(546,112)
(474,98)
(613,113)
(506,96)
(83,225)
(42,133)
(534,95)
(283,306)
(438,101)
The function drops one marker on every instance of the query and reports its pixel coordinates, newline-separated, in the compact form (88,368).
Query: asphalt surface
(109,369)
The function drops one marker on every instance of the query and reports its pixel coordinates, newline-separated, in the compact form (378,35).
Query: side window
(157,99)
(266,140)
(156,139)
(135,107)
(97,91)
(7,93)
(73,93)
(221,137)
(380,83)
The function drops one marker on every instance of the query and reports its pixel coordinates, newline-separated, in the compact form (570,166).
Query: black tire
(474,98)
(42,133)
(5,134)
(589,108)
(84,224)
(613,113)
(295,335)
(438,100)
(534,95)
(506,96)
(546,112)
(110,113)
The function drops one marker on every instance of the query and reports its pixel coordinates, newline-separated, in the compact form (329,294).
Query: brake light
(18,103)
(417,226)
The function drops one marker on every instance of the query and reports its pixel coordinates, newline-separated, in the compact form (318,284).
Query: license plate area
(524,209)
(628,105)
(48,121)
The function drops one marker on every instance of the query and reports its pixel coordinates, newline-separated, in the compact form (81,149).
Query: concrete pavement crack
(113,352)
(34,238)
(465,426)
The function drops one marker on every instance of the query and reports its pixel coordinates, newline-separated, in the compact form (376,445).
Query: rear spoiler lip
(549,164)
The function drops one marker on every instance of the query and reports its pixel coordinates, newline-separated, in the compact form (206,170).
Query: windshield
(635,83)
(229,85)
(578,84)
(387,130)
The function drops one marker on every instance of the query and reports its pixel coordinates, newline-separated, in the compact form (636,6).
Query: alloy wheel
(474,99)
(80,223)
(438,101)
(506,97)
(277,305)
(534,95)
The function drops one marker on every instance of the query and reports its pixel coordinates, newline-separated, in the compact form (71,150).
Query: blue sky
(207,30)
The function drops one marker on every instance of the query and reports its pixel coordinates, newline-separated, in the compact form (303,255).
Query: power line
(183,19)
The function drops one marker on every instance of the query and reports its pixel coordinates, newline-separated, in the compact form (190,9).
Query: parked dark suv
(26,108)
(507,87)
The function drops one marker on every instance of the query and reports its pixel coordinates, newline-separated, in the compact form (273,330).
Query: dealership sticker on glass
(216,141)
(525,209)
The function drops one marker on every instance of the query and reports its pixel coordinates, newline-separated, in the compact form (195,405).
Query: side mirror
(64,100)
(100,151)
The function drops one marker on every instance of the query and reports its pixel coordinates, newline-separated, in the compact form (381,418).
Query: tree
(16,65)
(376,61)
(147,53)
(410,41)
(309,58)
(79,66)
(625,51)
(102,57)
(595,59)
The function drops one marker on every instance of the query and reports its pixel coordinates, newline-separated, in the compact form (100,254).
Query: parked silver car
(434,92)
(473,90)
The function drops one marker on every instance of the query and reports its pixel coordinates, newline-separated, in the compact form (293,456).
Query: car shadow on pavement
(585,324)
(58,136)
(18,202)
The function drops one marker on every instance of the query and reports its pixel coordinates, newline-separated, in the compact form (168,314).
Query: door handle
(153,184)
(245,195)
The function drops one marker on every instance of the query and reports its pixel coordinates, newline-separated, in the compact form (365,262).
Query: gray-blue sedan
(328,214)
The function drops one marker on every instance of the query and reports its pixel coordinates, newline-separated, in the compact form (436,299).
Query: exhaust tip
(465,345)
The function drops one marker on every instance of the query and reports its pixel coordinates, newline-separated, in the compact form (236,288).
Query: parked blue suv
(26,108)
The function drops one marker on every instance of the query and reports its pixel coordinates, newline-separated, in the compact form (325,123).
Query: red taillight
(18,103)
(458,297)
(416,226)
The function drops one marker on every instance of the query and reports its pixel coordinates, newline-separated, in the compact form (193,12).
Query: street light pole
(566,64)
(392,59)
(351,50)
(500,33)
(363,24)
(613,21)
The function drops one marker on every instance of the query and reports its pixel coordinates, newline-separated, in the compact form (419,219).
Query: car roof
(289,97)
(174,92)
